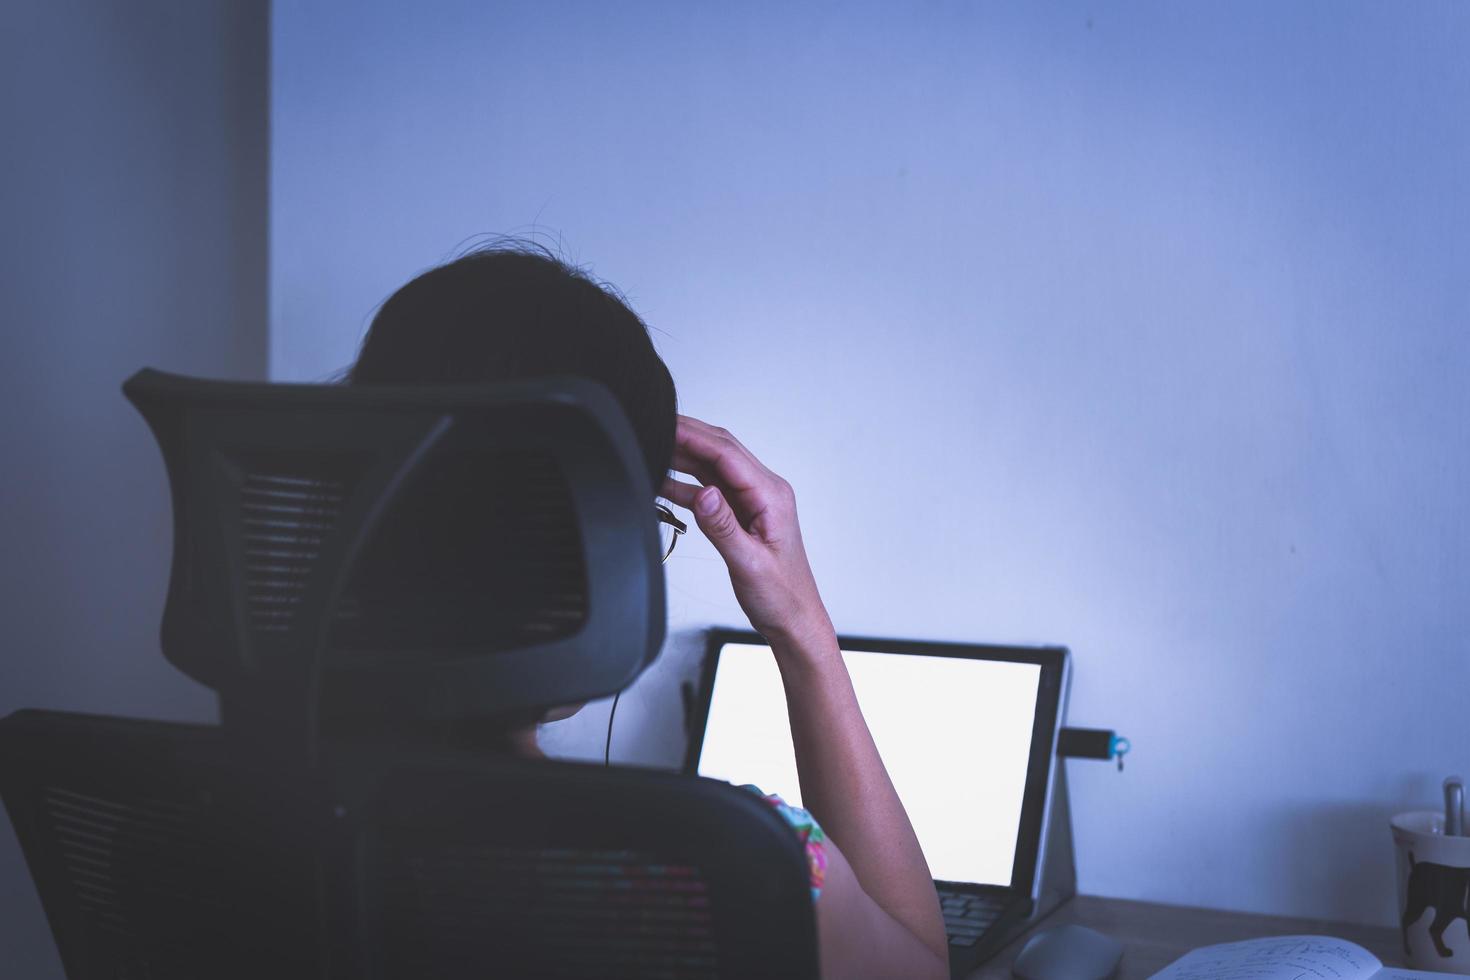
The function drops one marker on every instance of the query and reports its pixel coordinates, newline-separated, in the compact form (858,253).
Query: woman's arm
(846,787)
(749,514)
(857,938)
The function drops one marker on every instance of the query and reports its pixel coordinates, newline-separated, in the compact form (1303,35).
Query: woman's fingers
(715,457)
(686,462)
(679,492)
(749,514)
(714,516)
(720,453)
(718,522)
(735,444)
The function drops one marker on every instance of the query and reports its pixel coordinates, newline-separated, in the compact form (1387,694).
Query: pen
(1454,807)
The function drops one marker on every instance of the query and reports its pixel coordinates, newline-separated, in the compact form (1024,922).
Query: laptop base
(1018,913)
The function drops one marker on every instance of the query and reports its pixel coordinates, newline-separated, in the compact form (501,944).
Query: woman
(499,314)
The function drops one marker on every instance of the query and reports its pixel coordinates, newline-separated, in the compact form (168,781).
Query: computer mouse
(1068,953)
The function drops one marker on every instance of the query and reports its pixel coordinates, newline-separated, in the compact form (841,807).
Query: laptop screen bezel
(1049,693)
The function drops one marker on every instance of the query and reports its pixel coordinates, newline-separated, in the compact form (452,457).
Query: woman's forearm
(749,514)
(846,787)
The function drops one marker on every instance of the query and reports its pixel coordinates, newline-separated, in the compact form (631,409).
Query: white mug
(1434,881)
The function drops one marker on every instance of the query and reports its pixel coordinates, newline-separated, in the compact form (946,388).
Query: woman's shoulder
(808,831)
(798,817)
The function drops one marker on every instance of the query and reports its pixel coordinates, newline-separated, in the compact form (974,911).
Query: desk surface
(1153,936)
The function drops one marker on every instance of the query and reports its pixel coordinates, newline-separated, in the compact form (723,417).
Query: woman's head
(510,313)
(513,313)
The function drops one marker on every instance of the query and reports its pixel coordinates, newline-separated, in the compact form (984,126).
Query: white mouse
(1068,953)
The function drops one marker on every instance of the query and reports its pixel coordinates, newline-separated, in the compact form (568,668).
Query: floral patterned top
(812,837)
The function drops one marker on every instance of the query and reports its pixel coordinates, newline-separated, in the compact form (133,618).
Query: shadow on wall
(660,736)
(1344,851)
(650,725)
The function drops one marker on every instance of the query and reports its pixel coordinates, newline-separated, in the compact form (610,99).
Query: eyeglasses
(670,529)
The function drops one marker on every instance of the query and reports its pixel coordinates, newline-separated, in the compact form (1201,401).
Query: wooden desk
(1153,936)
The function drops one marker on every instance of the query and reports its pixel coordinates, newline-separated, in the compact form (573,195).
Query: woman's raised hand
(879,914)
(749,514)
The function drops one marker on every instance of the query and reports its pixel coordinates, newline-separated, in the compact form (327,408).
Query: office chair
(376,581)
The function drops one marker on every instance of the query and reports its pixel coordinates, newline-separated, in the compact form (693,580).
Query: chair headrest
(431,552)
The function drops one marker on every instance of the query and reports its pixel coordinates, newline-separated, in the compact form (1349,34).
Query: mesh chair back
(419,556)
(161,852)
(506,864)
(429,554)
(155,854)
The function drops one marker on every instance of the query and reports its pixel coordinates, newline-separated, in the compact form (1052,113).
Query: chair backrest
(571,870)
(425,554)
(161,851)
(157,852)
(414,556)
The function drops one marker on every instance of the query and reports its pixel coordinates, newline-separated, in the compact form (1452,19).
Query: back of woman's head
(511,313)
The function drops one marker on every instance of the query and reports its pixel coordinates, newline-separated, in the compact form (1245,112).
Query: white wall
(132,233)
(1137,327)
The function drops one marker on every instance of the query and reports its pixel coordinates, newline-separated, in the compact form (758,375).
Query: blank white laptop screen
(954,734)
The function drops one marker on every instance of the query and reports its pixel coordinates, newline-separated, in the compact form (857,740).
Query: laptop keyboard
(967,917)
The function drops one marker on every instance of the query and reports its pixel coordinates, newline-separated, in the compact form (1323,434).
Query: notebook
(1286,958)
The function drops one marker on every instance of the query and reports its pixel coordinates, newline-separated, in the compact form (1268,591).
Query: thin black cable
(607,750)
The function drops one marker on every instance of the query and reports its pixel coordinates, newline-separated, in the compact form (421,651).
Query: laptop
(968,734)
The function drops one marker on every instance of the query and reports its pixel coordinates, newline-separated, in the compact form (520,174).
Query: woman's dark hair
(507,313)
